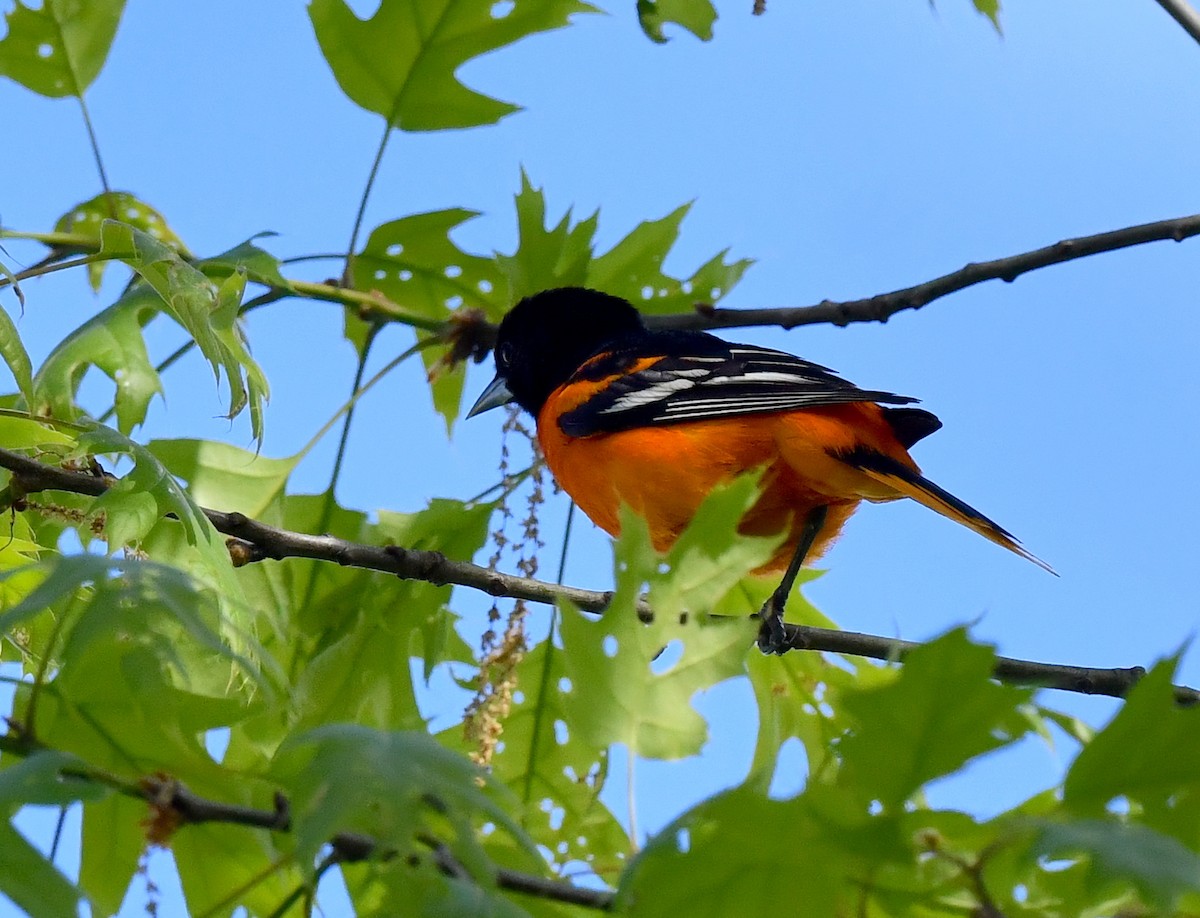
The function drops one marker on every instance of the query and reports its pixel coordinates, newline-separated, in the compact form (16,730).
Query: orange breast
(664,473)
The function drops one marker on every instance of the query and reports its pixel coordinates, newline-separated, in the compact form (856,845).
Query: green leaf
(15,284)
(1118,853)
(991,9)
(12,349)
(729,855)
(633,269)
(39,781)
(1149,752)
(58,50)
(31,881)
(402,62)
(563,256)
(941,711)
(647,702)
(799,695)
(87,218)
(213,862)
(554,771)
(386,785)
(697,16)
(207,313)
(413,261)
(112,841)
(112,342)
(246,258)
(224,477)
(546,257)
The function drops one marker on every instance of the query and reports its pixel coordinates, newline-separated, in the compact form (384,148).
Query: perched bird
(657,419)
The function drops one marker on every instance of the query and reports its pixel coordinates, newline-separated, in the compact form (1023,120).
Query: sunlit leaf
(112,342)
(554,770)
(86,219)
(402,62)
(209,314)
(58,49)
(648,700)
(224,477)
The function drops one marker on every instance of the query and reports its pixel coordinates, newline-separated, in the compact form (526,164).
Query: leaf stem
(362,202)
(91,132)
(44,268)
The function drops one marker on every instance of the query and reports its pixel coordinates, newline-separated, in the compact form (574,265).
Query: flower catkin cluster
(500,655)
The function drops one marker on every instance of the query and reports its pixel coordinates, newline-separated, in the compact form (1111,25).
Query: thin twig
(271,542)
(1184,14)
(882,307)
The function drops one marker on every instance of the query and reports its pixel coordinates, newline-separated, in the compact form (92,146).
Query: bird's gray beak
(495,395)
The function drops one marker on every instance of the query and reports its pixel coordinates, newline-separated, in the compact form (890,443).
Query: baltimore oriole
(657,419)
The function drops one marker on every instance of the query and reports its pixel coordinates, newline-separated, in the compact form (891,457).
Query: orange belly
(664,473)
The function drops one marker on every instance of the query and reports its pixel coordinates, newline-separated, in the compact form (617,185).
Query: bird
(656,419)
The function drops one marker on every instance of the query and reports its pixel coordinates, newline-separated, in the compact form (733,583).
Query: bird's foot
(772,638)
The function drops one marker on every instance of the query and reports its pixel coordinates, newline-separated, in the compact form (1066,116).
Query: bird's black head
(544,339)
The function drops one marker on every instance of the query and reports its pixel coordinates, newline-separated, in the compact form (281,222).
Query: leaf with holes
(208,313)
(86,219)
(402,62)
(913,730)
(633,269)
(552,769)
(697,16)
(414,262)
(647,689)
(798,694)
(58,49)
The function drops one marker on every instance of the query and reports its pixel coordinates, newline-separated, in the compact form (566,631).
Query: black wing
(712,379)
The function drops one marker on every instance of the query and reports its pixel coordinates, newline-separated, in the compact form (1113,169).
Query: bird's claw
(772,637)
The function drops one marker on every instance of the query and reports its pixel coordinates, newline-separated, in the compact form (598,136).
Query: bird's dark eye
(505,353)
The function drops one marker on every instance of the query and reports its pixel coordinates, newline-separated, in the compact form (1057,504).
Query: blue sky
(850,148)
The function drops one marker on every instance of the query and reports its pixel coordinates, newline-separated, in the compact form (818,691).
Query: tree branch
(1183,13)
(254,541)
(882,307)
(877,308)
(169,798)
